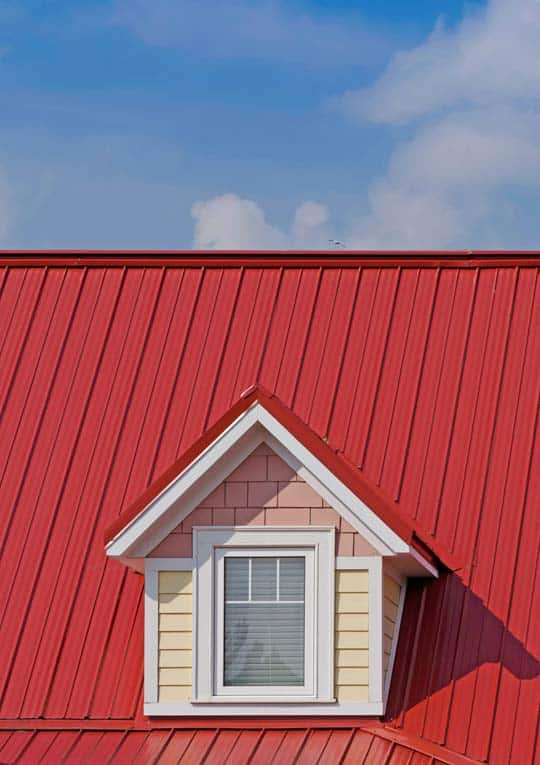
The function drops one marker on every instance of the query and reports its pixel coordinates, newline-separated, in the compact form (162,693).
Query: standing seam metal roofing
(422,371)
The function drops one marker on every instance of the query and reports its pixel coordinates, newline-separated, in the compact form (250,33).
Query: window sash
(264,620)
(266,691)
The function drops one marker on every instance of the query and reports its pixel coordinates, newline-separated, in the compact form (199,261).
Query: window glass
(264,621)
(236,579)
(264,579)
(291,579)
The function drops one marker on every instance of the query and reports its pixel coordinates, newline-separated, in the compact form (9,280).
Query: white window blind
(264,624)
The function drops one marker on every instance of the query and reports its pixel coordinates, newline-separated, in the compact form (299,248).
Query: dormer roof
(260,416)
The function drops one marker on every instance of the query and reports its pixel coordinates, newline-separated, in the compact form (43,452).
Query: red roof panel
(227,747)
(423,371)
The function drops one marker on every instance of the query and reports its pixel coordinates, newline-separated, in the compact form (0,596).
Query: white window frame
(266,693)
(209,540)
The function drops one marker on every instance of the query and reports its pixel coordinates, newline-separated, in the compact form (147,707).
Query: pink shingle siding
(263,491)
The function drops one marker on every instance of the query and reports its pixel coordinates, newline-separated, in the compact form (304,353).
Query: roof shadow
(447,632)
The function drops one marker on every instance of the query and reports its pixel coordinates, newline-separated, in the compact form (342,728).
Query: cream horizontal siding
(175,635)
(352,639)
(392,592)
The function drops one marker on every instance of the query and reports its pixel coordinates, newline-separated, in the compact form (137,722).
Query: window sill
(263,700)
(239,709)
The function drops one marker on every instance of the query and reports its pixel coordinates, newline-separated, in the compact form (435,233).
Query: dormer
(275,574)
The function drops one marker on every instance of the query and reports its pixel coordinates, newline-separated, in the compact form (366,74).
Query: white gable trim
(235,444)
(220,458)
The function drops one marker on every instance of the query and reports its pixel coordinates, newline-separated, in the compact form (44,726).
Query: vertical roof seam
(437,393)
(483,354)
(167,410)
(208,324)
(502,372)
(82,418)
(307,336)
(363,447)
(356,387)
(324,343)
(329,417)
(459,388)
(418,388)
(270,325)
(399,375)
(226,340)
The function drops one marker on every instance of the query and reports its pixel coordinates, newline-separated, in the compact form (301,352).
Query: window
(264,621)
(260,595)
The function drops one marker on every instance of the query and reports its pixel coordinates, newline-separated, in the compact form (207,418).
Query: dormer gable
(256,418)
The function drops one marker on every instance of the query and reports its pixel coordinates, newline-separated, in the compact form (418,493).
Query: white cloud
(472,96)
(474,148)
(310,220)
(230,222)
(465,110)
(492,57)
(270,30)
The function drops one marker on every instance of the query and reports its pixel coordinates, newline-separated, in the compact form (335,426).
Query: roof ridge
(271,258)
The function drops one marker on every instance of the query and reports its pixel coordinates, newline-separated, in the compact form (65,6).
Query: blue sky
(265,123)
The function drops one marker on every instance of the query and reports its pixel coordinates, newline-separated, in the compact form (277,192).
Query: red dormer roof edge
(377,501)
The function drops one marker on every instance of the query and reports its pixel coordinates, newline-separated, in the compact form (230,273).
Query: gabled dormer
(275,574)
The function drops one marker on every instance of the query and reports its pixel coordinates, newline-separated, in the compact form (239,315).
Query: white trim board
(221,457)
(395,638)
(376,628)
(231,709)
(151,635)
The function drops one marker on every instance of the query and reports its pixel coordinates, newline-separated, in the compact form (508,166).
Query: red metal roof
(222,746)
(423,372)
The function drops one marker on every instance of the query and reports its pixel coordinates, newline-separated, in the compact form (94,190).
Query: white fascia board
(366,519)
(329,497)
(131,534)
(419,558)
(413,563)
(197,492)
(220,458)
